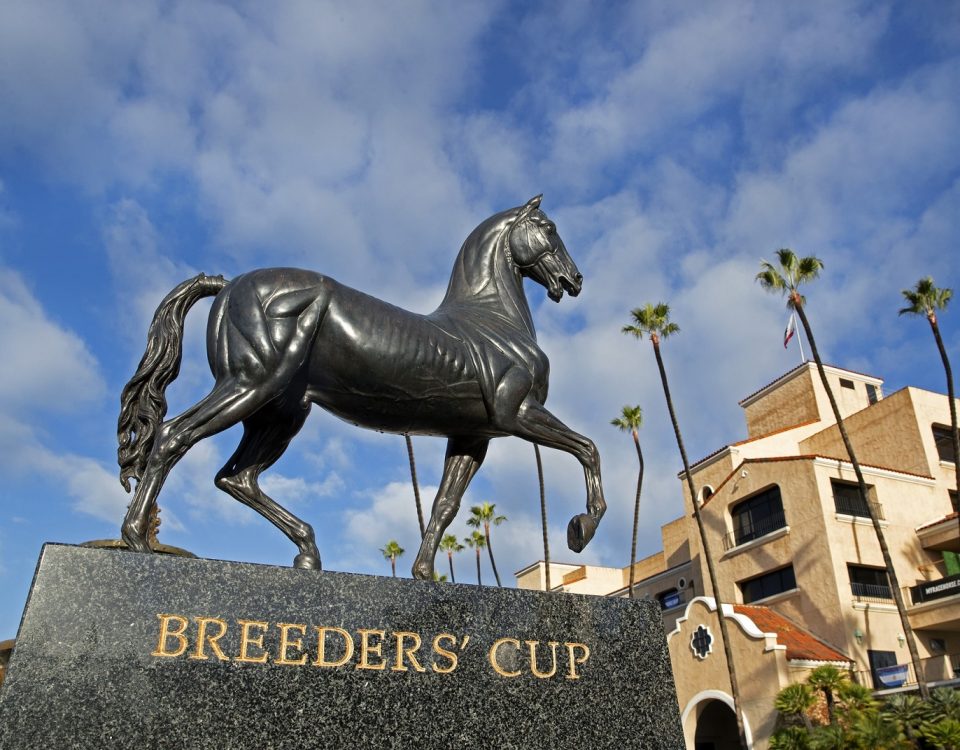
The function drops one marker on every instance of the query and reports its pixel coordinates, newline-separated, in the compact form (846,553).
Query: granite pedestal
(126,650)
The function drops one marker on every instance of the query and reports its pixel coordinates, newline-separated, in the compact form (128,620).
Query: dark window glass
(844,383)
(873,395)
(869,583)
(885,671)
(758,515)
(944,441)
(953,499)
(768,584)
(847,500)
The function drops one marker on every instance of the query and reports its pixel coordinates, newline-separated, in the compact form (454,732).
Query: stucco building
(798,562)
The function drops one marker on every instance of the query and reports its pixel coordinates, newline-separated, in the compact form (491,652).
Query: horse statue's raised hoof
(306,562)
(580,531)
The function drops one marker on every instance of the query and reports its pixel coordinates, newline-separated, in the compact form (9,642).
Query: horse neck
(484,280)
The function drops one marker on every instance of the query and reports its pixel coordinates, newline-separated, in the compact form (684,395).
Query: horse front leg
(520,414)
(463,458)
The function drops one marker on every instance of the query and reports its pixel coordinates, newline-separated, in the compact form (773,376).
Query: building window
(953,500)
(755,517)
(769,584)
(847,500)
(844,383)
(885,670)
(869,584)
(873,393)
(944,441)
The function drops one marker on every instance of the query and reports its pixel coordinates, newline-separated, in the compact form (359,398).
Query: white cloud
(46,367)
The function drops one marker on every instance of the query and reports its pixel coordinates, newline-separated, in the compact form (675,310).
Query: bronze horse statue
(282,339)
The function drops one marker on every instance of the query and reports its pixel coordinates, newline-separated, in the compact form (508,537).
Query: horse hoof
(306,562)
(422,572)
(134,541)
(580,531)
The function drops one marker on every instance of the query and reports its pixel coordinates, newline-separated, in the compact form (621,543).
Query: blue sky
(676,144)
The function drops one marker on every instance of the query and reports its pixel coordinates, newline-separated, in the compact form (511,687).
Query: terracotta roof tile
(800,643)
(948,517)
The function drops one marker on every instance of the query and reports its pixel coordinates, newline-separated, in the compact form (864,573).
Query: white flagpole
(799,335)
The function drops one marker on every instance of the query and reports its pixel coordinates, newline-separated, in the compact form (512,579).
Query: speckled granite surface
(108,657)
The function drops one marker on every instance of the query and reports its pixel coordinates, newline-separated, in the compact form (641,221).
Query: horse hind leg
(266,436)
(226,405)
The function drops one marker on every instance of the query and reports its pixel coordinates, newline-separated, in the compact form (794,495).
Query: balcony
(931,590)
(846,505)
(755,530)
(938,671)
(871,592)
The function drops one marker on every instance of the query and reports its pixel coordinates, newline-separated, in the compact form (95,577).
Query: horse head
(538,252)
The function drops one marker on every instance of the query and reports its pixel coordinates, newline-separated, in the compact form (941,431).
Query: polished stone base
(118,649)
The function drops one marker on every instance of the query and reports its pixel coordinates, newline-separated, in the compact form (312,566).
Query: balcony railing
(871,592)
(853,506)
(939,669)
(755,530)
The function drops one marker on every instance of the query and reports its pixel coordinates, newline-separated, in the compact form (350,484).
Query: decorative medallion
(702,642)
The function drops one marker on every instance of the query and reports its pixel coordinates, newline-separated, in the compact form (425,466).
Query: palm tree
(925,299)
(391,552)
(630,419)
(654,320)
(483,515)
(785,278)
(543,518)
(449,544)
(795,701)
(416,485)
(476,541)
(827,679)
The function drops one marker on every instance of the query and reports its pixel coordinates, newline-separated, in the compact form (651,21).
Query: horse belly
(381,367)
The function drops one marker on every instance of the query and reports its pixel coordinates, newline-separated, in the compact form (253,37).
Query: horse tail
(143,404)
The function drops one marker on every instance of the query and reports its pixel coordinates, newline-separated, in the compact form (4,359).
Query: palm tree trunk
(543,518)
(393,565)
(711,569)
(874,516)
(453,578)
(953,403)
(486,531)
(416,486)
(636,512)
(478,566)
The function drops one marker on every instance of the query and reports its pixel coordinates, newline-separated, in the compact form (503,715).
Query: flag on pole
(790,330)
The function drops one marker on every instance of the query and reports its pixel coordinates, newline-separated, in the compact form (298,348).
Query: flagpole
(799,338)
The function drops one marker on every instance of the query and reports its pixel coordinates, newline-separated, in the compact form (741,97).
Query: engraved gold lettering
(407,652)
(533,659)
(492,655)
(246,640)
(574,661)
(286,642)
(449,655)
(203,636)
(367,649)
(321,660)
(166,632)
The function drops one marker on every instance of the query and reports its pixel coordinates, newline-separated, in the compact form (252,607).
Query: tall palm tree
(543,518)
(785,278)
(391,552)
(484,515)
(416,485)
(449,544)
(476,541)
(925,299)
(654,321)
(630,419)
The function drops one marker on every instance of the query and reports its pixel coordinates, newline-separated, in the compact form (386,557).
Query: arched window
(757,516)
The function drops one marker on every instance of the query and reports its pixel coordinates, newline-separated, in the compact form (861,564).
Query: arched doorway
(716,727)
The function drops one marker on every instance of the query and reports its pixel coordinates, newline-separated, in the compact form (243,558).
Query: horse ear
(534,202)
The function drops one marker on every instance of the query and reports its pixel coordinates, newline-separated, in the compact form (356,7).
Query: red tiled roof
(948,517)
(800,643)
